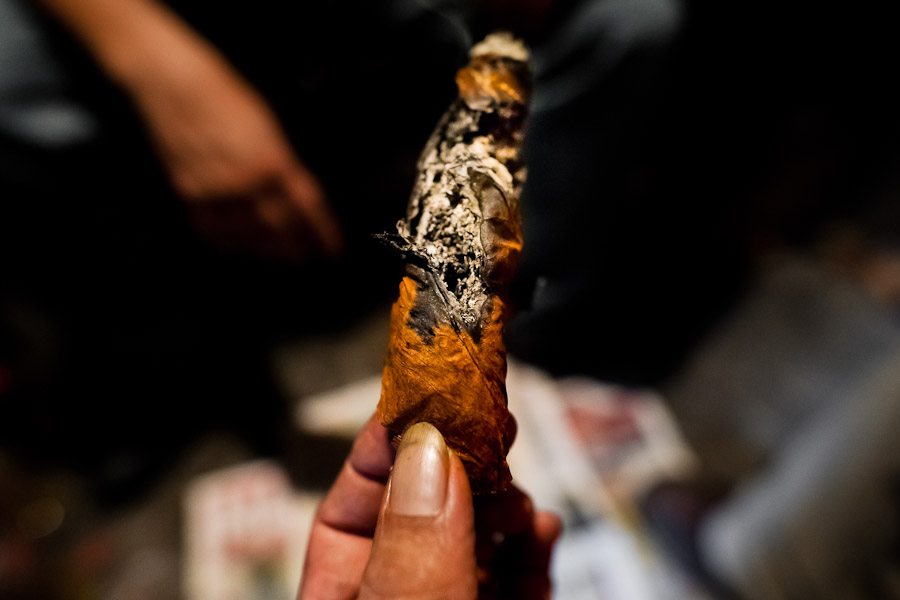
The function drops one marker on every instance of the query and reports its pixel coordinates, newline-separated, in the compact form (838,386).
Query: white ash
(501,43)
(444,217)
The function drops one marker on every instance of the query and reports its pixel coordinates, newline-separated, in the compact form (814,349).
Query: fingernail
(419,477)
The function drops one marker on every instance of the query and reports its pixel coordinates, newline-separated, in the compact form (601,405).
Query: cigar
(461,239)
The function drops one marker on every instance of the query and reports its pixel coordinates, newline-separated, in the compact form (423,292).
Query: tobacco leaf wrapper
(461,238)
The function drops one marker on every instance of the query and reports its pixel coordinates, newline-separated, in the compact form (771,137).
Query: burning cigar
(461,238)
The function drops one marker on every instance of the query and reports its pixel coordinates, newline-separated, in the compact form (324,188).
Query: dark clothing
(682,146)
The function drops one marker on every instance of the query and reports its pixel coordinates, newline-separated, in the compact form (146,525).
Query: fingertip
(421,473)
(546,531)
(419,442)
(459,488)
(353,503)
(372,454)
(309,196)
(547,527)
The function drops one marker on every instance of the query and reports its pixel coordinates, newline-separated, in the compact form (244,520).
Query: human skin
(217,138)
(409,528)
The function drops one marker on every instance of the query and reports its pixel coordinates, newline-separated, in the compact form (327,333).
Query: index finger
(354,500)
(342,531)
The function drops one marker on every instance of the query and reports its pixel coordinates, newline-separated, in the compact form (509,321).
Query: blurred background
(705,358)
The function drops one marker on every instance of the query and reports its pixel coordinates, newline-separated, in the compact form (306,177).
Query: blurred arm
(125,36)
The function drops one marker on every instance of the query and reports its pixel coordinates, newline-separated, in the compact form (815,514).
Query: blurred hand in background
(219,141)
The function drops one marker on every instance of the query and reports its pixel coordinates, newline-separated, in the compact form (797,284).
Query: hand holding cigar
(407,527)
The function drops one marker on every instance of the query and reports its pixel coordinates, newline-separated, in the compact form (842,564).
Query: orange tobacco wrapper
(461,238)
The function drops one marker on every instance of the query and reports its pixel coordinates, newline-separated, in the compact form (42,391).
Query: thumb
(424,544)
